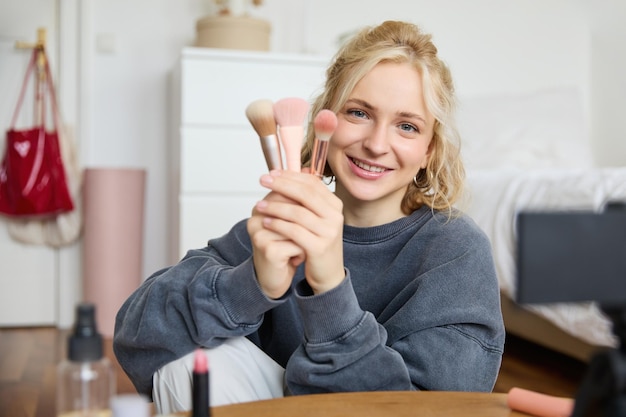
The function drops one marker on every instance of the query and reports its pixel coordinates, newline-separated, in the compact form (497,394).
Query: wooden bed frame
(530,326)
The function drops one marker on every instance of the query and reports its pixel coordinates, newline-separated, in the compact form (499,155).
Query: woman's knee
(239,372)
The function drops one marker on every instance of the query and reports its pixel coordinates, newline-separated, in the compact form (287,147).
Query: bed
(531,152)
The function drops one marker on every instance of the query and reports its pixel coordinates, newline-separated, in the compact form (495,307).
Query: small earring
(330,180)
(423,180)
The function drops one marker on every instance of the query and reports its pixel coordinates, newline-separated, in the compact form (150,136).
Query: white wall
(608,80)
(135,46)
(491,45)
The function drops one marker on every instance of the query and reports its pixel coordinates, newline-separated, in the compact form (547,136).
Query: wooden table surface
(375,404)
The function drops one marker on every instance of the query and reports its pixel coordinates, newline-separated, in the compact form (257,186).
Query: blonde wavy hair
(440,184)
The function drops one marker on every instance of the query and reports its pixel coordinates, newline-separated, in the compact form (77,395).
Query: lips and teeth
(367,167)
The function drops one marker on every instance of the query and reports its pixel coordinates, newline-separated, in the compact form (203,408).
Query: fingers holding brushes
(299,218)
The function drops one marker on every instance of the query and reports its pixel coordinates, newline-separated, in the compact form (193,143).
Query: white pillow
(545,129)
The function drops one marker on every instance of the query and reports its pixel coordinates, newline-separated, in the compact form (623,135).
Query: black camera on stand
(574,256)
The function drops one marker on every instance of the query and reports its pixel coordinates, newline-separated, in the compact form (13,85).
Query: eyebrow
(368,106)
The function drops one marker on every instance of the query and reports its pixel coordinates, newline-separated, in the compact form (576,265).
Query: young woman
(379,285)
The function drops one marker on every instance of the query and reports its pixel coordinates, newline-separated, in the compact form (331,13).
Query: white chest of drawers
(215,157)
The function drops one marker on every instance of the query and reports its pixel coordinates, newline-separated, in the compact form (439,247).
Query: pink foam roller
(113,239)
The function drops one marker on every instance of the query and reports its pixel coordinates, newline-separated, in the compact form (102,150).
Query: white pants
(238,372)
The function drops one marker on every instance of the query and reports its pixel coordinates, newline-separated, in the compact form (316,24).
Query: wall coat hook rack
(41,41)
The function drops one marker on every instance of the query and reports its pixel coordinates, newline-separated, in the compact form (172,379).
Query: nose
(377,140)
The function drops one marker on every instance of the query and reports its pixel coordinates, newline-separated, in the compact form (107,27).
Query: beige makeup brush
(290,114)
(324,124)
(260,113)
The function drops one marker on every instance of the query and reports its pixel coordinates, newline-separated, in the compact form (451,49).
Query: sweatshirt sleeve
(209,296)
(345,347)
(443,331)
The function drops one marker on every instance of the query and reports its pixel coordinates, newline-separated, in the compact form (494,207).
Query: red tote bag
(32,175)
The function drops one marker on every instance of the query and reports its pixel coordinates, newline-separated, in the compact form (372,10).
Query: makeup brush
(324,124)
(260,113)
(290,114)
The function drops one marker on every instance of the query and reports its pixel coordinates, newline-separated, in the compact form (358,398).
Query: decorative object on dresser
(232,27)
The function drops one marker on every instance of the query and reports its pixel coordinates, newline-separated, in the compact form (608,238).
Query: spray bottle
(86,379)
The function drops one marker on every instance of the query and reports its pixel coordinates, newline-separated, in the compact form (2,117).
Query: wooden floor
(28,358)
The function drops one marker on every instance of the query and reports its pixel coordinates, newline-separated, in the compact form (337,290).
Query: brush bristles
(291,111)
(325,124)
(260,113)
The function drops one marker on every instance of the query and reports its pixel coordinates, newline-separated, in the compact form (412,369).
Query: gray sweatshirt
(419,309)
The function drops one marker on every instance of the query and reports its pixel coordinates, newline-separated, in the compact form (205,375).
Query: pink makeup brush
(260,113)
(290,114)
(324,124)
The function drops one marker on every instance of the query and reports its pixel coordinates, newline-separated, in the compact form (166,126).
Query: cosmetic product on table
(290,114)
(86,379)
(538,404)
(260,113)
(200,391)
(324,124)
(130,405)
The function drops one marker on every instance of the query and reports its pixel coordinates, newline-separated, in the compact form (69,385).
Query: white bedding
(496,195)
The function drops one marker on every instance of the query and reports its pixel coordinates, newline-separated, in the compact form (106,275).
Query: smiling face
(382,139)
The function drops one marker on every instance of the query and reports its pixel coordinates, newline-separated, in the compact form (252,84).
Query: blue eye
(407,127)
(357,113)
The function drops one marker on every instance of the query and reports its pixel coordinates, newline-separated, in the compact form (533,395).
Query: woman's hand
(302,211)
(275,257)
